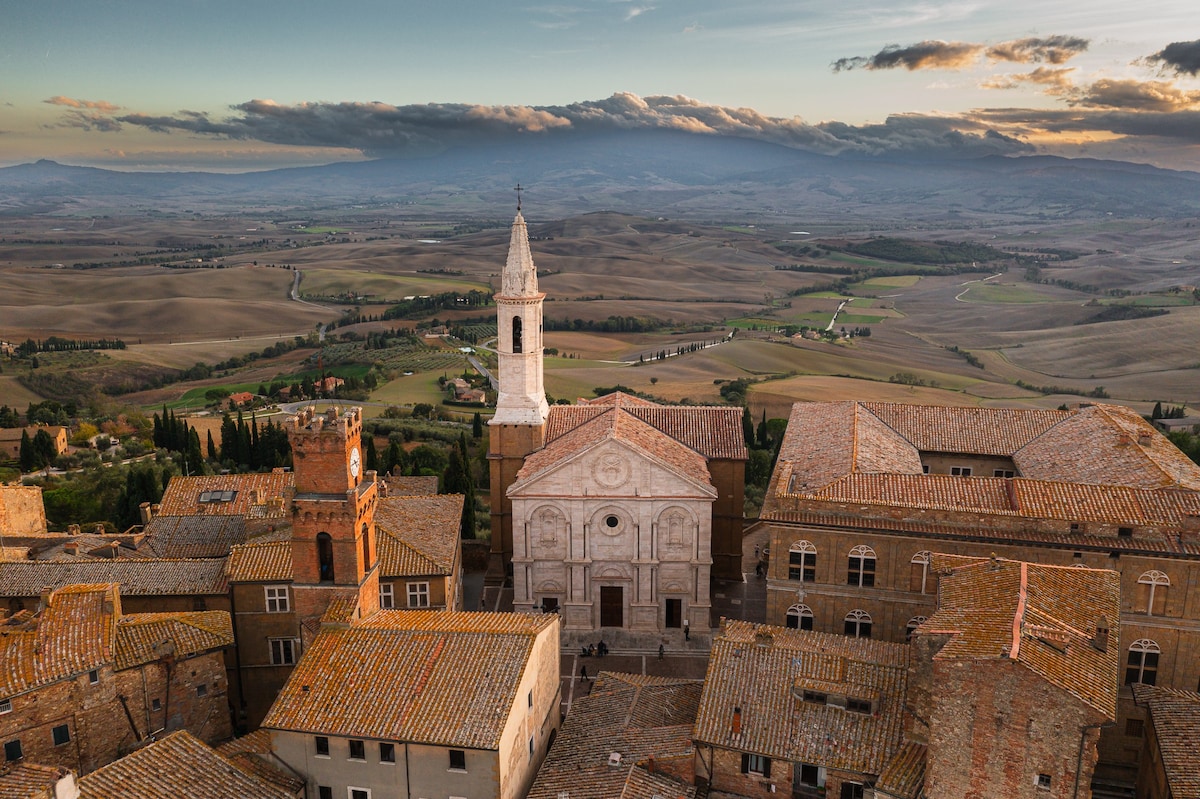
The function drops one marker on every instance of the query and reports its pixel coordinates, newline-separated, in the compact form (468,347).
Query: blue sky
(212,84)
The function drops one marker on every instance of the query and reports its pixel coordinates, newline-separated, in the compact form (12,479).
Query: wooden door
(612,606)
(674,613)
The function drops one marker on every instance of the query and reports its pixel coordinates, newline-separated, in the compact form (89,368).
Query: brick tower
(333,514)
(518,428)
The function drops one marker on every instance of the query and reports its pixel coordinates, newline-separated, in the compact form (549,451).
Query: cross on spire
(518,191)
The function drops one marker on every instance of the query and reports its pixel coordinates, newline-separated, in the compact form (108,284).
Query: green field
(380,286)
(890,282)
(991,293)
(1154,300)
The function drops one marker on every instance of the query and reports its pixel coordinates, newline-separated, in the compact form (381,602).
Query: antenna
(518,191)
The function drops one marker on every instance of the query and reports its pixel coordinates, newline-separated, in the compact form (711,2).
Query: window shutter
(745,763)
(766,767)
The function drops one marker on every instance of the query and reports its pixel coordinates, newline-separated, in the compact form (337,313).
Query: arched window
(366,547)
(800,617)
(325,557)
(858,624)
(918,580)
(1155,593)
(1142,665)
(548,526)
(517,343)
(913,624)
(861,571)
(802,562)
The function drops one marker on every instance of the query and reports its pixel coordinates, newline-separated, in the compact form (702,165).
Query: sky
(237,86)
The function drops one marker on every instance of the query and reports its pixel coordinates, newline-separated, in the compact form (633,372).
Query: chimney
(145,512)
(650,764)
(735,729)
(1100,639)
(1144,438)
(71,548)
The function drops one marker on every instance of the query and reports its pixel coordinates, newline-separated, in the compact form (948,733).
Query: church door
(674,613)
(612,606)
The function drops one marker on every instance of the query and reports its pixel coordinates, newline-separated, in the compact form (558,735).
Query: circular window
(611,521)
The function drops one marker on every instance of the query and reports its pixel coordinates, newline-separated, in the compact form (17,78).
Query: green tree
(370,456)
(26,457)
(747,427)
(477,426)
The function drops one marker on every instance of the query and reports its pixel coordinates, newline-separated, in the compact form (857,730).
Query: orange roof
(1175,716)
(145,637)
(23,780)
(1044,617)
(714,432)
(438,677)
(252,754)
(977,431)
(249,495)
(143,577)
(619,398)
(764,672)
(419,535)
(261,563)
(904,775)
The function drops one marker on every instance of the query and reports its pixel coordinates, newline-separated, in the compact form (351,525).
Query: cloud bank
(936,54)
(1182,58)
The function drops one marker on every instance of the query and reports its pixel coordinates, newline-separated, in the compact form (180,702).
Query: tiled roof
(765,670)
(176,767)
(904,776)
(617,424)
(72,635)
(1044,617)
(252,754)
(967,430)
(436,677)
(1175,716)
(644,784)
(418,535)
(141,577)
(145,637)
(411,486)
(714,432)
(620,398)
(636,716)
(255,495)
(23,780)
(260,563)
(193,536)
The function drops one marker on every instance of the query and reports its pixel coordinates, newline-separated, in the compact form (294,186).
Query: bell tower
(333,513)
(518,427)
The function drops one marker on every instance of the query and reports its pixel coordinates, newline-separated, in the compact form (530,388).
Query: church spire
(520,275)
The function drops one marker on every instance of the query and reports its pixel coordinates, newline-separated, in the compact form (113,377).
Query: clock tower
(333,513)
(518,427)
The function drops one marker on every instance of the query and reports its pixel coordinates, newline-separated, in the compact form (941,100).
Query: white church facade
(607,511)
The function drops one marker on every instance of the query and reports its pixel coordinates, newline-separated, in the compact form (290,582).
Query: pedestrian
(602,648)
(756,551)
(591,650)
(687,631)
(583,673)
(660,651)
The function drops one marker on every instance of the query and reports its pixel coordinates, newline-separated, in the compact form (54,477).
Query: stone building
(1171,758)
(10,439)
(22,512)
(863,492)
(617,511)
(83,683)
(422,703)
(420,552)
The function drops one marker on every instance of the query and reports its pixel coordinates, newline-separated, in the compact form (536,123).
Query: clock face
(355,462)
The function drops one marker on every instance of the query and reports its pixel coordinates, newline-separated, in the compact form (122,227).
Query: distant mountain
(661,173)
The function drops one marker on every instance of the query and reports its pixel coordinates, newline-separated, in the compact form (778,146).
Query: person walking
(660,651)
(583,673)
(687,631)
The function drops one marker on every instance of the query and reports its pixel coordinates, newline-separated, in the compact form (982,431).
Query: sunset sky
(218,85)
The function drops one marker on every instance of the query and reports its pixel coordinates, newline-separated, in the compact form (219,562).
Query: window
(458,760)
(960,471)
(516,335)
(531,748)
(808,774)
(816,697)
(12,750)
(322,746)
(61,734)
(756,764)
(861,571)
(1155,592)
(358,750)
(387,596)
(1007,474)
(283,651)
(802,562)
(858,624)
(94,676)
(800,617)
(918,580)
(1043,781)
(5,706)
(387,753)
(1125,532)
(324,792)
(1134,728)
(549,604)
(858,706)
(156,704)
(201,690)
(611,521)
(548,522)
(529,701)
(913,624)
(277,599)
(924,468)
(418,595)
(325,557)
(199,603)
(1142,665)
(358,793)
(852,790)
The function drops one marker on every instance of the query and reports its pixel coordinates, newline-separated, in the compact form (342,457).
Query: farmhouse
(10,439)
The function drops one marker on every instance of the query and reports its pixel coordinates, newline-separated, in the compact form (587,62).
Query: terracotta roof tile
(145,637)
(436,677)
(252,754)
(253,495)
(1044,617)
(261,563)
(620,398)
(904,775)
(419,535)
(29,780)
(714,432)
(193,536)
(978,431)
(1175,716)
(764,671)
(176,767)
(636,716)
(142,577)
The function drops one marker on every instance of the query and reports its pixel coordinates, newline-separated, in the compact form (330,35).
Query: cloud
(1182,58)
(1037,50)
(380,130)
(930,54)
(93,105)
(1054,81)
(1135,95)
(637,11)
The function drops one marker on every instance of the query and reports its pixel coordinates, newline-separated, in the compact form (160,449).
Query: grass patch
(1154,300)
(380,286)
(890,282)
(991,293)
